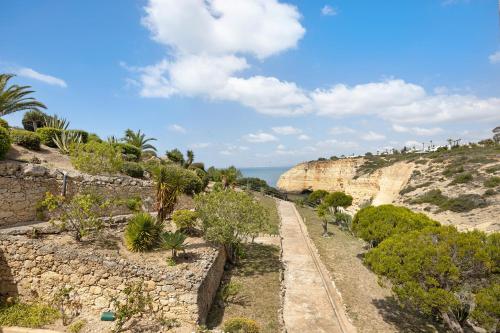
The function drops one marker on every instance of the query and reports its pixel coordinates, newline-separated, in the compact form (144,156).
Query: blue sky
(262,82)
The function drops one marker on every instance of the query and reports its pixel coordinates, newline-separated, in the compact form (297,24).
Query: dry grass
(258,296)
(371,306)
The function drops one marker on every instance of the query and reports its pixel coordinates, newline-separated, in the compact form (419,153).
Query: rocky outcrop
(382,186)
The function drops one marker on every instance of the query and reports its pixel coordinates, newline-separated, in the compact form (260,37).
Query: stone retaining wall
(23,185)
(37,269)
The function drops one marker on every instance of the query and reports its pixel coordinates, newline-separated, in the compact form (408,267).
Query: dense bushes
(374,224)
(241,325)
(33,120)
(95,158)
(83,134)
(4,142)
(133,169)
(129,150)
(25,139)
(143,233)
(461,203)
(48,134)
(27,315)
(4,123)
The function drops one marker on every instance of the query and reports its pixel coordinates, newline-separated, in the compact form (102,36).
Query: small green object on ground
(108,316)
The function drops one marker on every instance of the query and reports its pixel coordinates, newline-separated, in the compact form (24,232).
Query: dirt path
(311,302)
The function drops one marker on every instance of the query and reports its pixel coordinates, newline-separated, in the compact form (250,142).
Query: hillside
(458,186)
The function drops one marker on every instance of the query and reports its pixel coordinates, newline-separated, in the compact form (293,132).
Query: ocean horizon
(269,174)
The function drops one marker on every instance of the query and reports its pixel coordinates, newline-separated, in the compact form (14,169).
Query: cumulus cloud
(495,58)
(328,10)
(177,128)
(417,130)
(338,130)
(373,136)
(260,137)
(286,130)
(32,74)
(304,137)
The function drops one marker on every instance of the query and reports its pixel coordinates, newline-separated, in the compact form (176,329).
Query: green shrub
(492,182)
(33,120)
(94,137)
(83,134)
(464,203)
(27,315)
(4,123)
(96,158)
(489,192)
(174,241)
(143,233)
(133,169)
(128,149)
(184,219)
(374,224)
(493,169)
(452,170)
(25,139)
(47,135)
(462,178)
(134,204)
(434,197)
(487,310)
(316,196)
(241,325)
(192,183)
(77,326)
(4,142)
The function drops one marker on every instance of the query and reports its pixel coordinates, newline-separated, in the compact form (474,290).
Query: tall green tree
(330,205)
(16,98)
(139,140)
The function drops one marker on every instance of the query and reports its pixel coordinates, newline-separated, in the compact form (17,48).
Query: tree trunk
(452,322)
(231,254)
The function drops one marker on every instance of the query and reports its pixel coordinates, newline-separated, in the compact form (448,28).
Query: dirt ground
(370,306)
(49,157)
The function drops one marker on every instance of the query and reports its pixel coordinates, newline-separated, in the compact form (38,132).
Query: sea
(269,174)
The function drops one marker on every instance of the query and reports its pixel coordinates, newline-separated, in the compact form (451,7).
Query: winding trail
(311,303)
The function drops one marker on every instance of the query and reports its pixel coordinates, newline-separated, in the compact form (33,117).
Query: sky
(262,82)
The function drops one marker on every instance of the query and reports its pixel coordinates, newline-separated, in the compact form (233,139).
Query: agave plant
(65,140)
(56,122)
(174,241)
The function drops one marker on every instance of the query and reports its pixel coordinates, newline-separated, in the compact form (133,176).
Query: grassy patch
(492,182)
(460,204)
(252,290)
(27,315)
(462,178)
(270,204)
(453,169)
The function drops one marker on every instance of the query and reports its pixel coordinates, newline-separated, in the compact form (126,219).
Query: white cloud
(373,136)
(281,147)
(199,145)
(260,137)
(177,128)
(225,152)
(32,74)
(495,58)
(304,137)
(417,130)
(413,143)
(341,130)
(328,10)
(286,130)
(332,143)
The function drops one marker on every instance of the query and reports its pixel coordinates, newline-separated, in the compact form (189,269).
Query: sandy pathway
(311,303)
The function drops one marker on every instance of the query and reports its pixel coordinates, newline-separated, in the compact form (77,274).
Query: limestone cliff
(382,186)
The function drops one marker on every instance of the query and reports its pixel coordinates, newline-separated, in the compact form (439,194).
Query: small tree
(330,205)
(176,156)
(316,196)
(228,217)
(136,301)
(496,134)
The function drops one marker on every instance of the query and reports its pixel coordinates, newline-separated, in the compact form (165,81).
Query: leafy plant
(67,305)
(16,98)
(65,141)
(134,204)
(83,134)
(492,182)
(25,139)
(229,291)
(4,123)
(174,241)
(56,122)
(33,120)
(136,301)
(48,135)
(184,219)
(4,142)
(133,169)
(487,310)
(129,150)
(77,326)
(143,233)
(96,158)
(27,315)
(241,325)
(462,178)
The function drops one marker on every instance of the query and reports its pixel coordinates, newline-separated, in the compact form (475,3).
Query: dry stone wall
(37,269)
(23,185)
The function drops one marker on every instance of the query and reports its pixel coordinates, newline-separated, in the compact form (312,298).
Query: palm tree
(139,140)
(190,158)
(14,98)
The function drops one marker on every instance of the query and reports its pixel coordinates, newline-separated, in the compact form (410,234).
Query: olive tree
(228,217)
(330,205)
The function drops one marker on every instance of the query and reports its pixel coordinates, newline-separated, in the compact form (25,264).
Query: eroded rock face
(382,186)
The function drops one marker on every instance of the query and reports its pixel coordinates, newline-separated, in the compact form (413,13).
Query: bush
(4,142)
(96,158)
(464,203)
(316,196)
(94,137)
(452,170)
(374,224)
(434,197)
(241,325)
(489,192)
(47,135)
(33,120)
(487,310)
(4,123)
(25,139)
(27,315)
(128,149)
(193,183)
(83,134)
(462,178)
(184,219)
(142,233)
(134,204)
(133,169)
(492,182)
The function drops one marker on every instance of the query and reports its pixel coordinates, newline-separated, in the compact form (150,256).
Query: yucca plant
(112,139)
(65,140)
(56,122)
(174,241)
(143,233)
